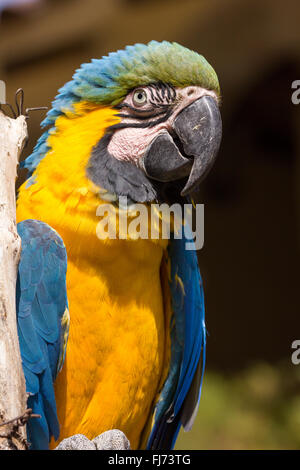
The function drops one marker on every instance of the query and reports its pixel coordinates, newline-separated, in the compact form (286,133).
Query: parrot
(112,330)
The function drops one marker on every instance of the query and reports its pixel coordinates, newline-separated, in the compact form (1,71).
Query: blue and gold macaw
(142,123)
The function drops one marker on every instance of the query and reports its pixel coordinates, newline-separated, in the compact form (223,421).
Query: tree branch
(13,133)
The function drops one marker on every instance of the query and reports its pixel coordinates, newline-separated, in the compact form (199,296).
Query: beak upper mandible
(199,128)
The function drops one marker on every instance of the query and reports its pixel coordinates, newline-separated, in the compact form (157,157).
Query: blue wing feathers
(41,303)
(186,265)
(178,400)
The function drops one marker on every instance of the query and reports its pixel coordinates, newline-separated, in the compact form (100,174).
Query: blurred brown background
(250,261)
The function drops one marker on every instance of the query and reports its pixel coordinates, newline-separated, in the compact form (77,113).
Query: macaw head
(166,126)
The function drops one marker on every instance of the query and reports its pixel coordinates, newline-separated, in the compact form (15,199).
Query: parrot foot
(109,440)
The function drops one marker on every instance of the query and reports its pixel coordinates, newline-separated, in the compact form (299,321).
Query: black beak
(193,150)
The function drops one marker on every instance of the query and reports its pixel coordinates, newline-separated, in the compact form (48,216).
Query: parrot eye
(139,97)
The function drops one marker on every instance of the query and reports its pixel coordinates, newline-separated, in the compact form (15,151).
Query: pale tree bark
(13,133)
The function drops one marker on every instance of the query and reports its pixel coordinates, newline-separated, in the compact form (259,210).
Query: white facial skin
(149,105)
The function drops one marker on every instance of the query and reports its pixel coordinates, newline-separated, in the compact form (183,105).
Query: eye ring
(139,97)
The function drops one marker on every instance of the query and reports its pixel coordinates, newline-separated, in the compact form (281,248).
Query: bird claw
(76,442)
(112,440)
(109,440)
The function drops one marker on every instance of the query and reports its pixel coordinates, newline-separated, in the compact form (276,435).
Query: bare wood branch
(13,133)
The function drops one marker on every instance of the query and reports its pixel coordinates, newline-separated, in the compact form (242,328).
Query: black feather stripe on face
(162,98)
(144,124)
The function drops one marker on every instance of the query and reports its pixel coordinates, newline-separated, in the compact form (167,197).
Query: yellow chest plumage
(118,347)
